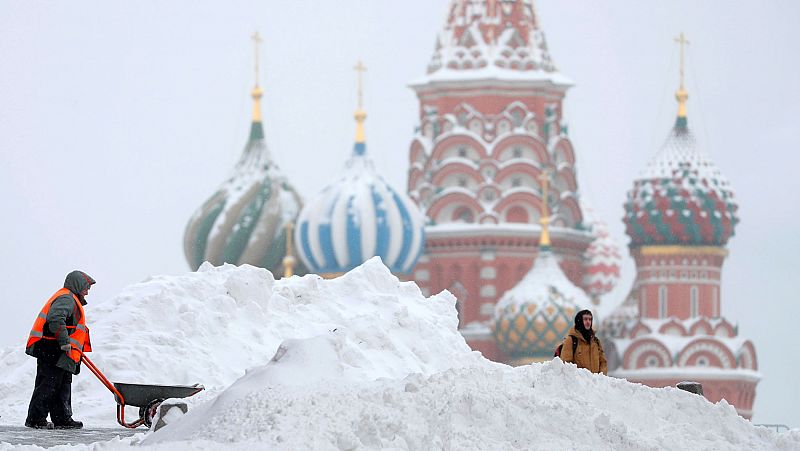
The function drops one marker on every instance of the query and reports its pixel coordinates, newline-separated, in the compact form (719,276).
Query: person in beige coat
(589,352)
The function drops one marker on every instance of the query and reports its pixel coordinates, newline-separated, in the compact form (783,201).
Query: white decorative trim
(705,346)
(746,358)
(636,350)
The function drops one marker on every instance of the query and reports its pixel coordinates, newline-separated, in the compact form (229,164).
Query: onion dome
(534,316)
(681,198)
(603,259)
(358,217)
(245,221)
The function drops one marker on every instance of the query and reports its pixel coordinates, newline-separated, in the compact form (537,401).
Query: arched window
(693,303)
(517,214)
(463,214)
(662,301)
(643,302)
(715,301)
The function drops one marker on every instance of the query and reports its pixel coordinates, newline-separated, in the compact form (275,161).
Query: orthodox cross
(683,42)
(256,40)
(360,68)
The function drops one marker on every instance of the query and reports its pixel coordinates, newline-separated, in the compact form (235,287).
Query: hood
(587,334)
(76,282)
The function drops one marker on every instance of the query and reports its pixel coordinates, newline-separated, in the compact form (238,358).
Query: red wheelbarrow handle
(110,386)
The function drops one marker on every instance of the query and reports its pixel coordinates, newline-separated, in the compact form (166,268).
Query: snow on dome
(487,39)
(357,217)
(680,198)
(602,271)
(245,220)
(532,318)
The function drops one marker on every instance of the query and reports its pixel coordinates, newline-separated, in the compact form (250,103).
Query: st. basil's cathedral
(492,213)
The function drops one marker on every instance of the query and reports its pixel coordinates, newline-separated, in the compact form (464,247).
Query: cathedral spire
(360,115)
(289,261)
(544,238)
(487,36)
(256,130)
(681,95)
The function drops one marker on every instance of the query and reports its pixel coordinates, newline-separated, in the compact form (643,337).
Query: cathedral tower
(679,216)
(490,123)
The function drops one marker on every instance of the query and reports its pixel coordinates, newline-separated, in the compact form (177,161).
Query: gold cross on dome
(256,40)
(360,68)
(681,39)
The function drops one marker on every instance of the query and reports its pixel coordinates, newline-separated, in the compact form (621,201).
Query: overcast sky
(118,119)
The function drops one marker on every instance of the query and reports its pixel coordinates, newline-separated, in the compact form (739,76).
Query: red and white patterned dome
(682,198)
(603,259)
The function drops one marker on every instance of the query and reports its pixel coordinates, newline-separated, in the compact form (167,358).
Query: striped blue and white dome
(358,217)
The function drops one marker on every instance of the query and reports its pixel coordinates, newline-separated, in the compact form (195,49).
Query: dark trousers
(52,393)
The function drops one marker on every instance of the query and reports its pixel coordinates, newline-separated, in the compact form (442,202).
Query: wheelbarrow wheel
(148,412)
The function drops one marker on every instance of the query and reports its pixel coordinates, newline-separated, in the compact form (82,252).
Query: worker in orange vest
(58,338)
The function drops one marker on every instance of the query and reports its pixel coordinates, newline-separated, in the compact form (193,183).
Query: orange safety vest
(78,339)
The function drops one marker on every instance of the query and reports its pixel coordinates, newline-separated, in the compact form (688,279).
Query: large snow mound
(210,326)
(541,406)
(363,361)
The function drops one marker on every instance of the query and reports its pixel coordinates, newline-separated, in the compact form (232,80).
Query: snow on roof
(492,74)
(690,373)
(676,343)
(503,228)
(363,361)
(492,41)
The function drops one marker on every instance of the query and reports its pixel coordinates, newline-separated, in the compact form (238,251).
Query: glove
(66,348)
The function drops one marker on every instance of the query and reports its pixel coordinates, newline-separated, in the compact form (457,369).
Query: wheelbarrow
(146,397)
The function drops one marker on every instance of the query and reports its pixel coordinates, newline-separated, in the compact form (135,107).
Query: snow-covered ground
(359,362)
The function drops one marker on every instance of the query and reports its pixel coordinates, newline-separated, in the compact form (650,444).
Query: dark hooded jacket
(63,312)
(589,353)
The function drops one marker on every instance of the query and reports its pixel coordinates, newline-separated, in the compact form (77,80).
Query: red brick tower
(490,125)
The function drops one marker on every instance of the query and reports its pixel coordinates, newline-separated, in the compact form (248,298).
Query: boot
(38,424)
(68,424)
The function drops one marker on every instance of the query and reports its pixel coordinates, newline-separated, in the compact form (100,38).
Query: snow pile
(541,406)
(360,362)
(212,325)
